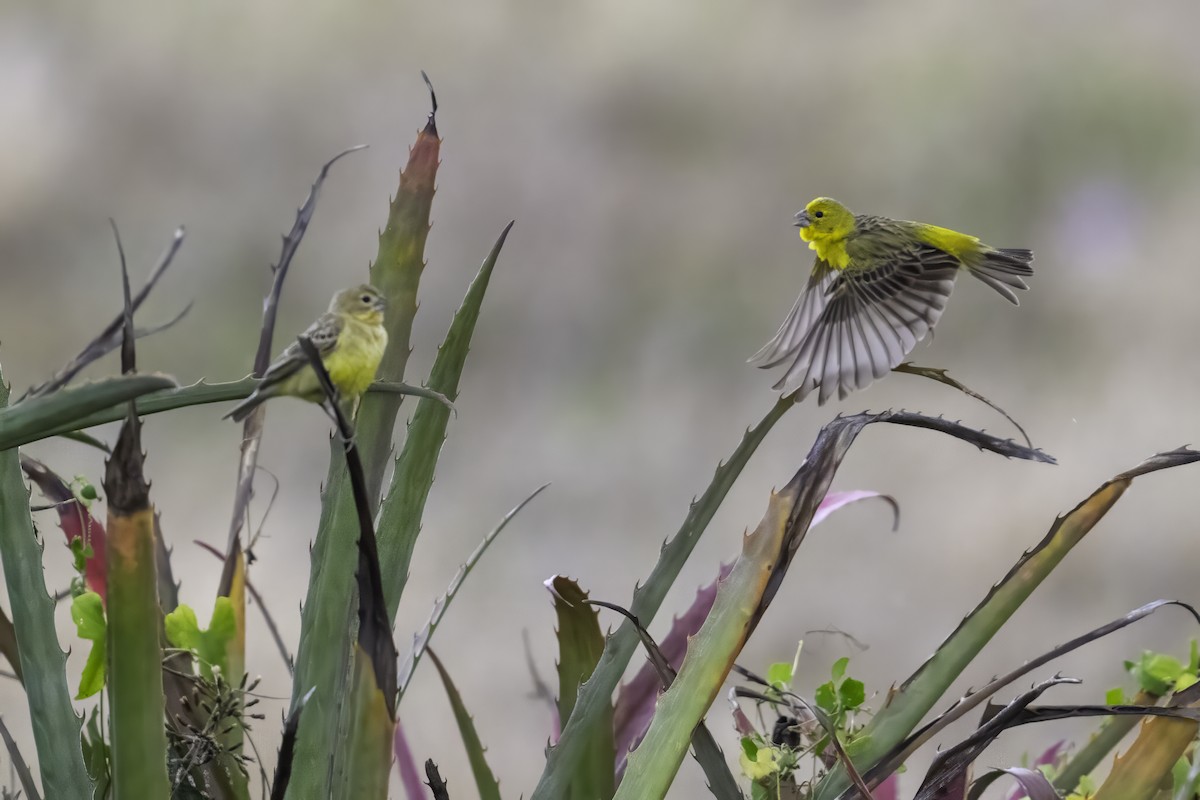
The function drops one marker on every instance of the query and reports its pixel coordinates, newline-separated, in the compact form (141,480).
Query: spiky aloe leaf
(203,393)
(38,417)
(634,706)
(368,759)
(1139,772)
(708,754)
(485,781)
(400,516)
(952,767)
(652,767)
(919,693)
(363,761)
(135,688)
(1103,742)
(56,729)
(8,644)
(635,701)
(397,273)
(580,643)
(421,640)
(898,755)
(752,583)
(595,697)
(327,619)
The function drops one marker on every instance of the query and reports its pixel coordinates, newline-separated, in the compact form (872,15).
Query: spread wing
(866,322)
(324,334)
(799,321)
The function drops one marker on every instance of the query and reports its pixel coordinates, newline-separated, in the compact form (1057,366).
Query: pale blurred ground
(652,155)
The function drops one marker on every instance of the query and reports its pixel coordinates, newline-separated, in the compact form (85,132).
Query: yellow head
(824,220)
(364,303)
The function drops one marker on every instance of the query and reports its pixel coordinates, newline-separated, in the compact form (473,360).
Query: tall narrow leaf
(56,729)
(368,746)
(1103,742)
(323,659)
(1139,772)
(485,781)
(913,700)
(752,583)
(595,697)
(580,643)
(135,684)
(635,702)
(400,516)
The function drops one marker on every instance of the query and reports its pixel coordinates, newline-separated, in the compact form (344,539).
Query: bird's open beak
(802,220)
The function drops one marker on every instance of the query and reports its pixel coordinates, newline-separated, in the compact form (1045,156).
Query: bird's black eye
(818,214)
(366,298)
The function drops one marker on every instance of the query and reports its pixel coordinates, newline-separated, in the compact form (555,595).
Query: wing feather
(799,321)
(868,322)
(323,333)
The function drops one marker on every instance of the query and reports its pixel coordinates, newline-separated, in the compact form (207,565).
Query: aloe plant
(180,708)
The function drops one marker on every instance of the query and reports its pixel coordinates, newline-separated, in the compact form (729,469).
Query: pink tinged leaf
(635,700)
(889,789)
(1045,759)
(741,723)
(407,767)
(74,519)
(835,500)
(1033,784)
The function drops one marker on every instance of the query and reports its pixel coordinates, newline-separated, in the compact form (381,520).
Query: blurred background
(652,155)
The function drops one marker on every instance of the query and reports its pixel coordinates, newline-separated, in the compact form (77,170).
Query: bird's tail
(1003,269)
(243,409)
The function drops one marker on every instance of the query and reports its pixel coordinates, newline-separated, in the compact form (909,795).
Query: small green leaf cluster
(209,646)
(841,696)
(802,728)
(1161,674)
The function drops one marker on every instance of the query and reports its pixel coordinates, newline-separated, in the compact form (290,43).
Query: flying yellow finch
(877,287)
(350,338)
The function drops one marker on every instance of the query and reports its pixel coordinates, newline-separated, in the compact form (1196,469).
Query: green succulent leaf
(779,674)
(839,669)
(827,698)
(749,747)
(852,693)
(1156,672)
(210,646)
(87,612)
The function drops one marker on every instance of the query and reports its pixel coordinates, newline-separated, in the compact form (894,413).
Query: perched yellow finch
(877,287)
(351,339)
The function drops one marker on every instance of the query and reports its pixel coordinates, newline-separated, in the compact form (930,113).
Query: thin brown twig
(253,427)
(110,338)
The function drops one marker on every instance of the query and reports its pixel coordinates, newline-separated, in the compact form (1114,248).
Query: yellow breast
(831,251)
(353,362)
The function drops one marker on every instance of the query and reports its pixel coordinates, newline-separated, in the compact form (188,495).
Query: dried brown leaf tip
(124,479)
